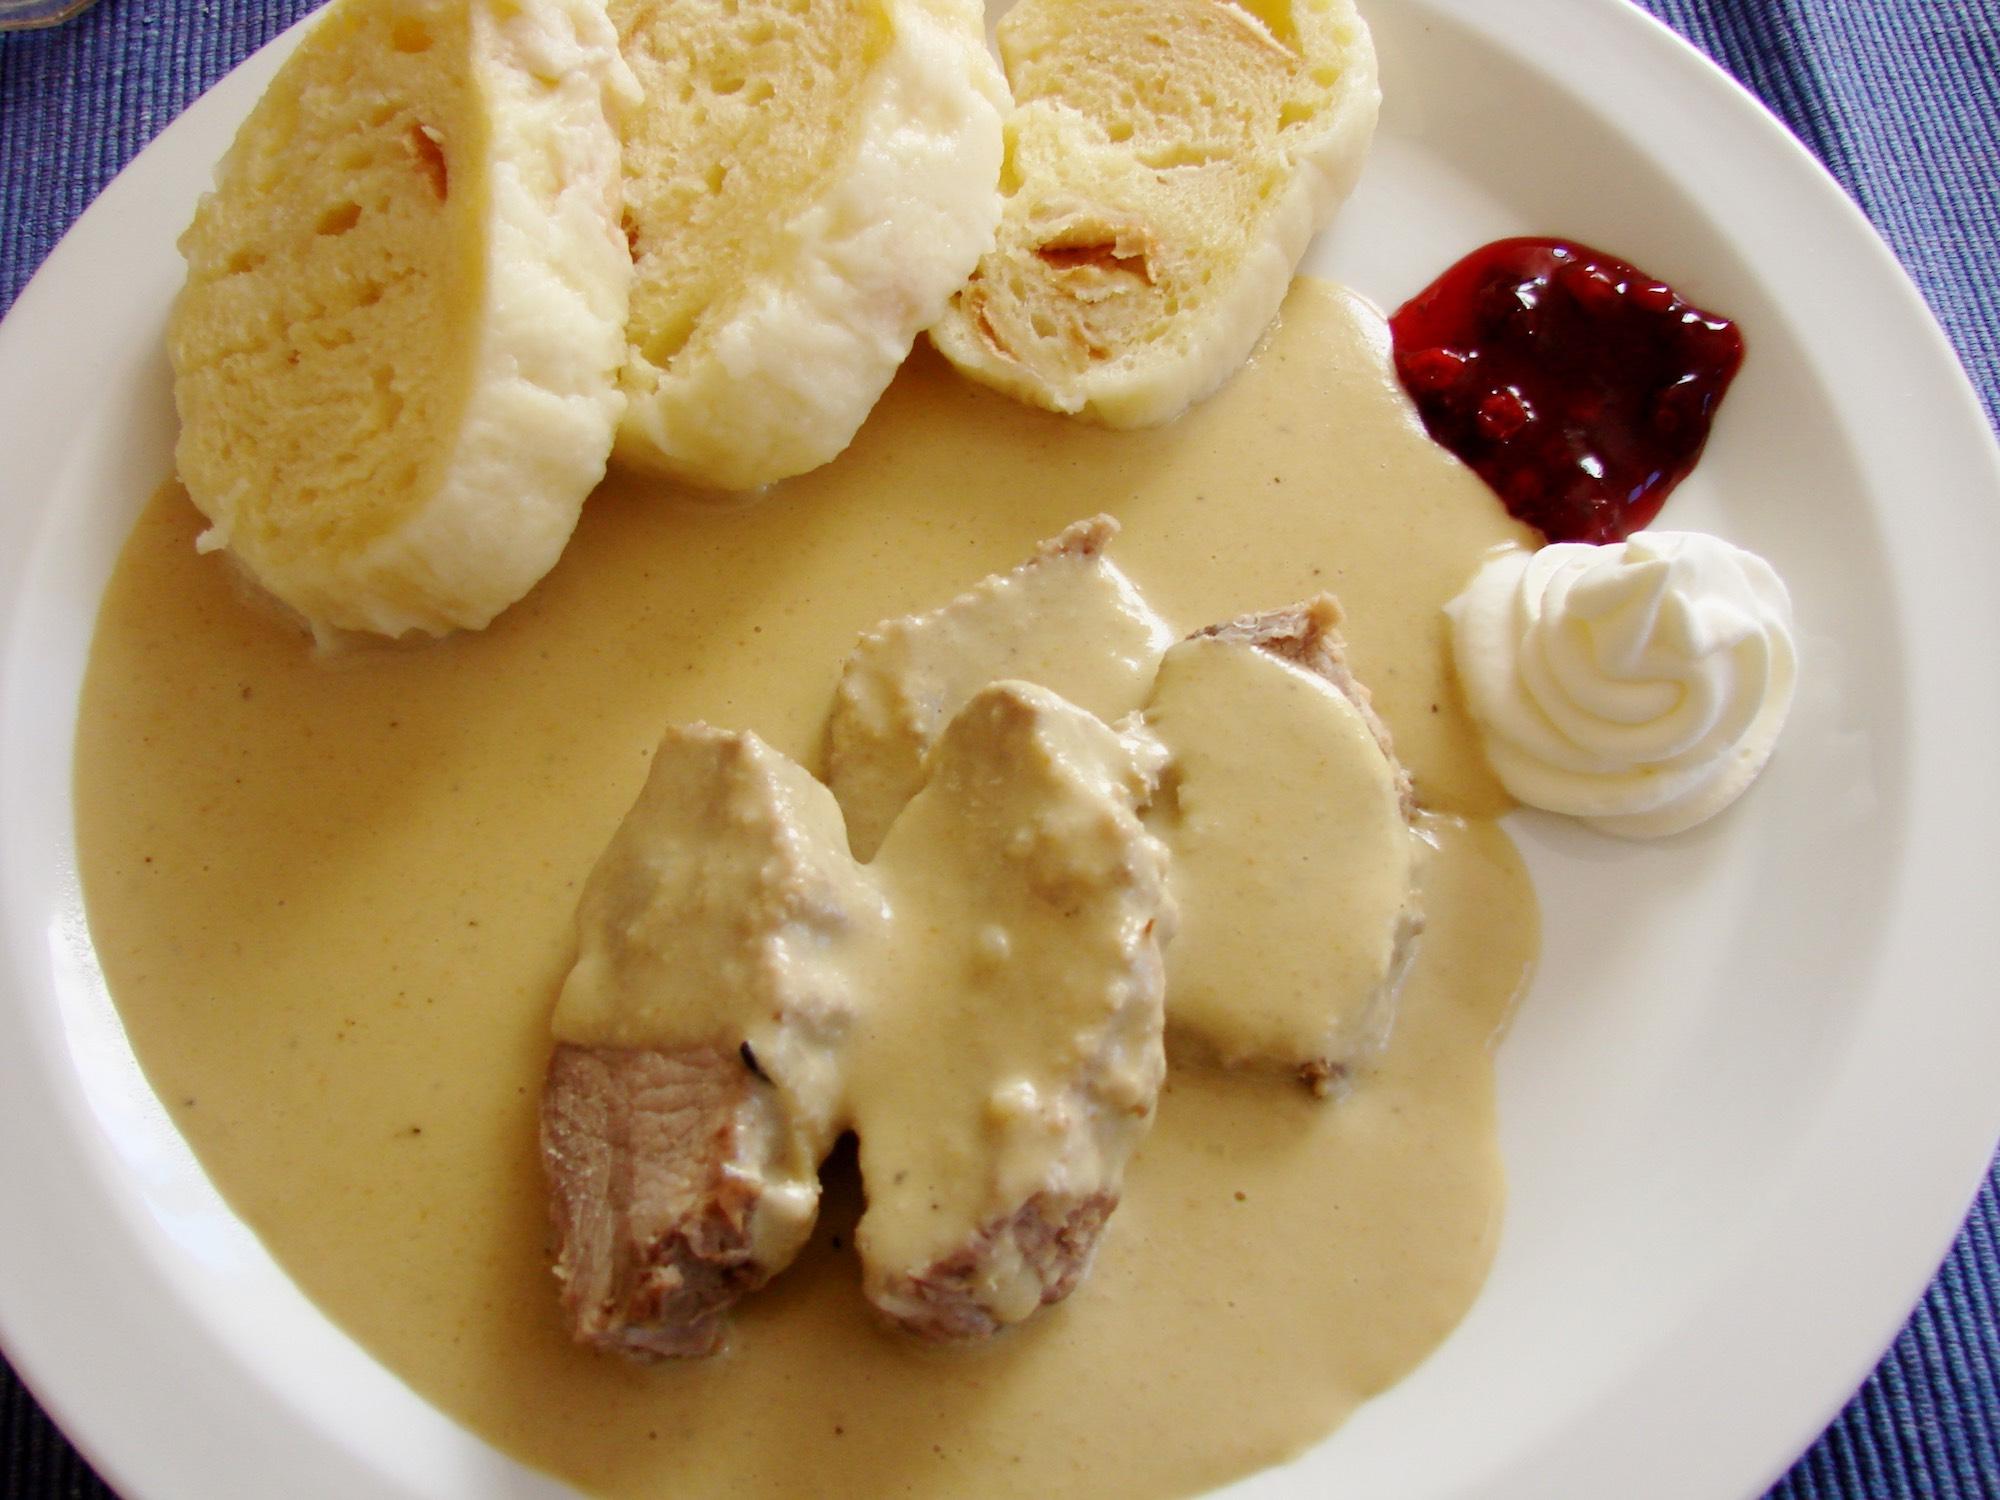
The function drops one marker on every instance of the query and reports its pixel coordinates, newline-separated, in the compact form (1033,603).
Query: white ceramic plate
(1749,1095)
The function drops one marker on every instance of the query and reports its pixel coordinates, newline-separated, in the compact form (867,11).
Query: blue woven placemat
(1900,98)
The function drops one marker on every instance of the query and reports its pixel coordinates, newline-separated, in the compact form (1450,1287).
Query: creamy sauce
(726,899)
(727,914)
(1293,866)
(333,899)
(1292,852)
(1017,1045)
(982,1002)
(1066,618)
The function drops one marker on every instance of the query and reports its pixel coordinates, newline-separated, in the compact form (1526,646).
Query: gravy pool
(332,897)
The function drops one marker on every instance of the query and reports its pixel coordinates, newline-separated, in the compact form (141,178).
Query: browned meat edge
(1055,1234)
(652,1229)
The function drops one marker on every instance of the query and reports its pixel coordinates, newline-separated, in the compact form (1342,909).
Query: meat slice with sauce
(1066,618)
(1291,827)
(983,1005)
(1310,883)
(658,1164)
(698,1076)
(1002,1088)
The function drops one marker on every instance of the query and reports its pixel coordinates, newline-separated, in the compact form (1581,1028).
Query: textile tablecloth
(1900,99)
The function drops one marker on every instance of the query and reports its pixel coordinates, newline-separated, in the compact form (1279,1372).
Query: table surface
(1899,98)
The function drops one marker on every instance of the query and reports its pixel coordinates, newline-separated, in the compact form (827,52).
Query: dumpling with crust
(396,354)
(1168,161)
(808,184)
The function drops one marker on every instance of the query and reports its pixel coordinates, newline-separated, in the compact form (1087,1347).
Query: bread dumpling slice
(1168,161)
(808,184)
(396,354)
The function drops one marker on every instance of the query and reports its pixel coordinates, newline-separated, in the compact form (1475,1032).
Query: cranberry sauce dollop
(1578,387)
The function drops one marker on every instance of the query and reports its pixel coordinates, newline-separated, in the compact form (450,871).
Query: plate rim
(40,308)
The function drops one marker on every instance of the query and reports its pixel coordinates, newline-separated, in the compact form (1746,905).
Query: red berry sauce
(1578,387)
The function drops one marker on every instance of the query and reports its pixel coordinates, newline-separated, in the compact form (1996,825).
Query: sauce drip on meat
(333,901)
(1294,864)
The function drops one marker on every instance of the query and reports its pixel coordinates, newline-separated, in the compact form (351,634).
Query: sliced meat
(1308,636)
(907,677)
(1018,1056)
(1046,1244)
(697,1079)
(982,1005)
(657,1165)
(1291,826)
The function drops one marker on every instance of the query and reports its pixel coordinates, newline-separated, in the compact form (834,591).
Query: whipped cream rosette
(1639,686)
